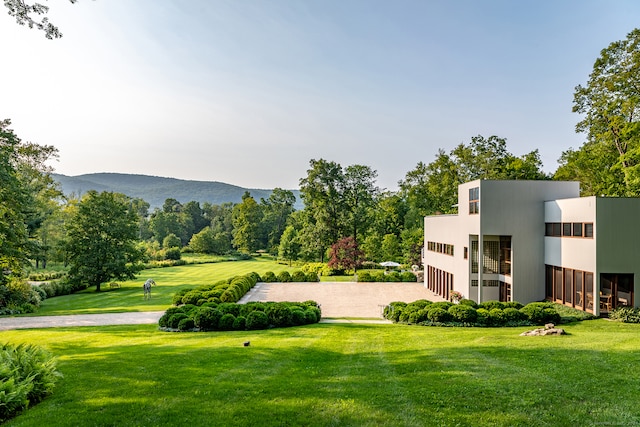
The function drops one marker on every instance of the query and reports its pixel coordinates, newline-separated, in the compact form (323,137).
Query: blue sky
(247,92)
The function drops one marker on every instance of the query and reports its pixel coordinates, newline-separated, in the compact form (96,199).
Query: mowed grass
(129,297)
(340,375)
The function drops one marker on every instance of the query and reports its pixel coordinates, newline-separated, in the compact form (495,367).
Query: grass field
(340,375)
(129,297)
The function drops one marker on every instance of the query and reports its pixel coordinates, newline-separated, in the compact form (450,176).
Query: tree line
(103,236)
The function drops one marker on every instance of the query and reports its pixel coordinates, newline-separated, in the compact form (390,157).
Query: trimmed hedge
(489,313)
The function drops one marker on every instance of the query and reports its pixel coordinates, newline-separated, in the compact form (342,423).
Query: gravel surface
(336,299)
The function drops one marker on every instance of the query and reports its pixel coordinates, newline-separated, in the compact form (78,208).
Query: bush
(483,317)
(174,320)
(279,315)
(192,297)
(463,313)
(490,305)
(364,277)
(297,317)
(172,254)
(177,297)
(298,276)
(312,277)
(469,302)
(257,320)
(311,316)
(442,304)
(408,276)
(393,276)
(186,324)
(438,314)
(240,323)
(163,322)
(226,322)
(269,277)
(284,277)
(207,318)
(41,292)
(513,304)
(512,314)
(229,308)
(418,316)
(28,374)
(394,310)
(540,313)
(497,317)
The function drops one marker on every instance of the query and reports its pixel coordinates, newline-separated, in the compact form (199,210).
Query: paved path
(357,302)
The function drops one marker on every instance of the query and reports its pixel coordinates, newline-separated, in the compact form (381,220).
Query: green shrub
(186,324)
(269,277)
(41,292)
(490,305)
(298,276)
(512,314)
(279,315)
(421,303)
(226,322)
(469,302)
(207,318)
(408,276)
(540,313)
(163,322)
(312,277)
(240,323)
(27,375)
(192,297)
(513,304)
(394,310)
(442,304)
(172,254)
(177,297)
(438,314)
(393,276)
(174,320)
(482,317)
(311,316)
(497,317)
(365,277)
(298,317)
(284,276)
(257,320)
(625,314)
(229,308)
(463,313)
(418,316)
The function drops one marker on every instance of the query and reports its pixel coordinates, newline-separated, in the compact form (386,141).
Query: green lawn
(129,297)
(341,375)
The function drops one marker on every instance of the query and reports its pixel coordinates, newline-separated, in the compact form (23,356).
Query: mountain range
(155,190)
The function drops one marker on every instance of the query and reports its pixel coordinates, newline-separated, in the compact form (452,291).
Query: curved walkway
(341,302)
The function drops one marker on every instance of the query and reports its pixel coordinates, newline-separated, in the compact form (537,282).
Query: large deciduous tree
(346,255)
(276,211)
(610,105)
(102,237)
(246,225)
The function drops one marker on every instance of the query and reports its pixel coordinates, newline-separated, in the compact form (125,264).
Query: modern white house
(539,240)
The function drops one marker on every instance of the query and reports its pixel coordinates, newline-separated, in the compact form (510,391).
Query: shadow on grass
(323,375)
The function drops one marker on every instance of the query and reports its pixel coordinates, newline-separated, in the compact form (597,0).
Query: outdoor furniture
(605,302)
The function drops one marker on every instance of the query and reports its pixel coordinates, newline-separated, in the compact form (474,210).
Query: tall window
(474,200)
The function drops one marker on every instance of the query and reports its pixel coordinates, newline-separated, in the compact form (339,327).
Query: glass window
(588,229)
(474,200)
(566,229)
(557,228)
(577,229)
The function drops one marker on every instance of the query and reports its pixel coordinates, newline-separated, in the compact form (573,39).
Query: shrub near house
(489,313)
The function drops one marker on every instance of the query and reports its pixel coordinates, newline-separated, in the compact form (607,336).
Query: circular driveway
(342,299)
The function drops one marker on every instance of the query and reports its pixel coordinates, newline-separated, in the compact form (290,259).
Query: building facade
(538,240)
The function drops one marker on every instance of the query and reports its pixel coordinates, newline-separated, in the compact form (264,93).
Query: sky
(247,92)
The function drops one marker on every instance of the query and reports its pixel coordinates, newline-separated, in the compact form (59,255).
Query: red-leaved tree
(345,255)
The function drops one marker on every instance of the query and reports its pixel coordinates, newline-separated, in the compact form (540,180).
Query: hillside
(156,190)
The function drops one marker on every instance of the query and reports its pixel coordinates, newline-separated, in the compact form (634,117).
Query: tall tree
(276,210)
(359,193)
(102,238)
(246,225)
(289,247)
(610,105)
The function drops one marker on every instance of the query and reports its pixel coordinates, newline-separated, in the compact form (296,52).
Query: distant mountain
(156,190)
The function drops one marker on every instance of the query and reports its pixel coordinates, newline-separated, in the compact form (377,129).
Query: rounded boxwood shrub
(174,320)
(497,317)
(311,316)
(186,324)
(490,305)
(284,276)
(393,276)
(312,277)
(192,297)
(207,318)
(229,307)
(394,310)
(240,323)
(418,316)
(269,277)
(512,314)
(365,276)
(257,320)
(298,276)
(469,302)
(513,304)
(279,315)
(482,317)
(442,304)
(539,315)
(438,314)
(226,322)
(463,313)
(297,317)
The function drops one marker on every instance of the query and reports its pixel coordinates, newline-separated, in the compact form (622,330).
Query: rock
(546,331)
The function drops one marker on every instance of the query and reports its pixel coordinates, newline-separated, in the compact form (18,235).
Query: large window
(474,200)
(505,255)
(569,229)
(570,287)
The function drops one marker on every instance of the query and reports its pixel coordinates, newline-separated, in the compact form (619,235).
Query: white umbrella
(389,264)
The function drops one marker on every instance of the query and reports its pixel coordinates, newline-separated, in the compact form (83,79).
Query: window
(588,229)
(505,255)
(441,248)
(474,200)
(566,229)
(577,229)
(466,252)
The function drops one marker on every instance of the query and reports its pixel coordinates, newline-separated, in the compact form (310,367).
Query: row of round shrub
(286,277)
(468,313)
(27,375)
(49,275)
(392,276)
(230,290)
(239,317)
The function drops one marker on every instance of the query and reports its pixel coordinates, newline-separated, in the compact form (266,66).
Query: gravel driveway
(336,299)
